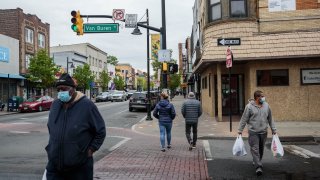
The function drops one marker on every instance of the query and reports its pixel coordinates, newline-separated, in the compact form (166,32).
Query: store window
(41,40)
(214,10)
(238,8)
(278,77)
(29,35)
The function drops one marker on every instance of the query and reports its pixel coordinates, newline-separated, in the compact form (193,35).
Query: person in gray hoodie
(191,110)
(257,115)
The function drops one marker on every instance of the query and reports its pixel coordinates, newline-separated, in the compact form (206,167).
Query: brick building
(127,72)
(276,50)
(32,34)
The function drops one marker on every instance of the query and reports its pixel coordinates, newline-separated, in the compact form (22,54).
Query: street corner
(146,127)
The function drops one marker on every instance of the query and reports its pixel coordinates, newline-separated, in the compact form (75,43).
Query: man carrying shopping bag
(257,115)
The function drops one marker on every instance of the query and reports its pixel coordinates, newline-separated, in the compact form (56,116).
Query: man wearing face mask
(257,115)
(76,131)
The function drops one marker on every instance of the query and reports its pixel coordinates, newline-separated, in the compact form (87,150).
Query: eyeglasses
(63,89)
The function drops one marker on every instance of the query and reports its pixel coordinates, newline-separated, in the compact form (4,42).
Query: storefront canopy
(11,76)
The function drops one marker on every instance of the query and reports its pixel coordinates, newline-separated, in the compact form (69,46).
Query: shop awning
(11,76)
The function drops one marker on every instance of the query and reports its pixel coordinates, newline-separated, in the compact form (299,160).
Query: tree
(104,80)
(84,76)
(141,83)
(42,70)
(112,60)
(174,81)
(118,82)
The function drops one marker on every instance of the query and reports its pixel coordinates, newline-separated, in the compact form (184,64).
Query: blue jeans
(165,128)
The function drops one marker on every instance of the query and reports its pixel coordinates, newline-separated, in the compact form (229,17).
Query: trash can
(14,102)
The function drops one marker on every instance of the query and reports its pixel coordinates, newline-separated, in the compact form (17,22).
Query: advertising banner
(155,46)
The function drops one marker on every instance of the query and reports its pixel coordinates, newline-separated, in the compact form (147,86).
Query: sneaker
(194,146)
(169,146)
(259,171)
(190,147)
(163,150)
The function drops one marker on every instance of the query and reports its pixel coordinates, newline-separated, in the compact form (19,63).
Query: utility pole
(149,118)
(164,39)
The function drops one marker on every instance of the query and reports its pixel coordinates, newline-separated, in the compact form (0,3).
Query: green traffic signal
(74,28)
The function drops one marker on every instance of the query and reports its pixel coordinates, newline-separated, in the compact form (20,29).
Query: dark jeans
(194,127)
(84,172)
(257,142)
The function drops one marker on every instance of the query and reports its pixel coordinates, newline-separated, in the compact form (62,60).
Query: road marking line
(119,143)
(300,151)
(20,123)
(19,132)
(121,112)
(207,150)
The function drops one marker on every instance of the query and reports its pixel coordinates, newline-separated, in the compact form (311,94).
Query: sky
(126,47)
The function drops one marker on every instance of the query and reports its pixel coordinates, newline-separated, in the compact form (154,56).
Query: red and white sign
(118,14)
(229,58)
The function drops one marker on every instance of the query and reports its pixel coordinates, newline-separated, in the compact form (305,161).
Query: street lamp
(72,66)
(137,31)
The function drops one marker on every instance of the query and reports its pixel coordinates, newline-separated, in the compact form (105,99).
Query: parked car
(36,103)
(103,97)
(139,100)
(118,96)
(130,93)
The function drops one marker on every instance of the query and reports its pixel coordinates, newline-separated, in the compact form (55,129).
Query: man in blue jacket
(76,131)
(164,111)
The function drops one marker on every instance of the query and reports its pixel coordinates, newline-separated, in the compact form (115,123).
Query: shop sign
(310,76)
(4,54)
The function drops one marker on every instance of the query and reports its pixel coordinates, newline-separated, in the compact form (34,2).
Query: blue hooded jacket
(164,111)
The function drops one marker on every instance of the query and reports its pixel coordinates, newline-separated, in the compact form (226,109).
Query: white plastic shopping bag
(276,147)
(238,147)
(44,177)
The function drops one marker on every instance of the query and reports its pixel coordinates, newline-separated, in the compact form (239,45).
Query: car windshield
(118,93)
(139,95)
(33,99)
(104,94)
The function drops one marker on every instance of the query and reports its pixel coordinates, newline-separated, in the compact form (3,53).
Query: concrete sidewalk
(209,127)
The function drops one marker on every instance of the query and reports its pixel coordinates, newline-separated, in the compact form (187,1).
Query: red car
(37,103)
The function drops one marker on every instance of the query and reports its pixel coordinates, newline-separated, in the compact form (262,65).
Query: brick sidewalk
(141,158)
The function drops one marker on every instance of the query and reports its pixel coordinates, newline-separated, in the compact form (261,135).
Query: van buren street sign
(101,28)
(229,41)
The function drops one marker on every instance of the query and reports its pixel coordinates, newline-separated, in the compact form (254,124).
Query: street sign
(131,20)
(229,58)
(118,14)
(229,42)
(164,55)
(101,28)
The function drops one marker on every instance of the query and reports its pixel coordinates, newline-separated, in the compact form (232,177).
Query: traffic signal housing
(173,68)
(164,67)
(77,22)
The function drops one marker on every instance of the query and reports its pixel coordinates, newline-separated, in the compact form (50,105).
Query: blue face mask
(64,96)
(262,100)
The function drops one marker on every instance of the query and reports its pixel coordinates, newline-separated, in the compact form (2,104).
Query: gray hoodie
(257,118)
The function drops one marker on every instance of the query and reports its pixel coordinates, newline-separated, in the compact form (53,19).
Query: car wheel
(40,108)
(130,109)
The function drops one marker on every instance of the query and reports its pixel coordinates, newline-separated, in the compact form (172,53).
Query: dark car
(139,100)
(130,93)
(36,103)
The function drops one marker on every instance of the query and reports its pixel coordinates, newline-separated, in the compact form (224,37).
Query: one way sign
(229,42)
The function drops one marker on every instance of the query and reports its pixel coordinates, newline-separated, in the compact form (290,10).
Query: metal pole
(8,93)
(164,38)
(68,65)
(230,104)
(149,118)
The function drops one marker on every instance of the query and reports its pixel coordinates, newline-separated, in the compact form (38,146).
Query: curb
(297,139)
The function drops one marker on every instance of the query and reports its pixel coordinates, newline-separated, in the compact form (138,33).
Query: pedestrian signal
(77,22)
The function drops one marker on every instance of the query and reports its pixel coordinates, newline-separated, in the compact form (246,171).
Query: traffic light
(77,22)
(164,66)
(173,68)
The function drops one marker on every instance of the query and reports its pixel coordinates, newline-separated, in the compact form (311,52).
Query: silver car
(103,97)
(118,96)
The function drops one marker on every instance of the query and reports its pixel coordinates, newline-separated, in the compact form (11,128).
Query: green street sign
(101,28)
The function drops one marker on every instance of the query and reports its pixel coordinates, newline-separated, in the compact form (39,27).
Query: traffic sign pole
(229,60)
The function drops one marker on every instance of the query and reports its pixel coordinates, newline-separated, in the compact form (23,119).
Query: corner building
(279,53)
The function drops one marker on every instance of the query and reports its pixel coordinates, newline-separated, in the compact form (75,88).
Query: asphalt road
(23,137)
